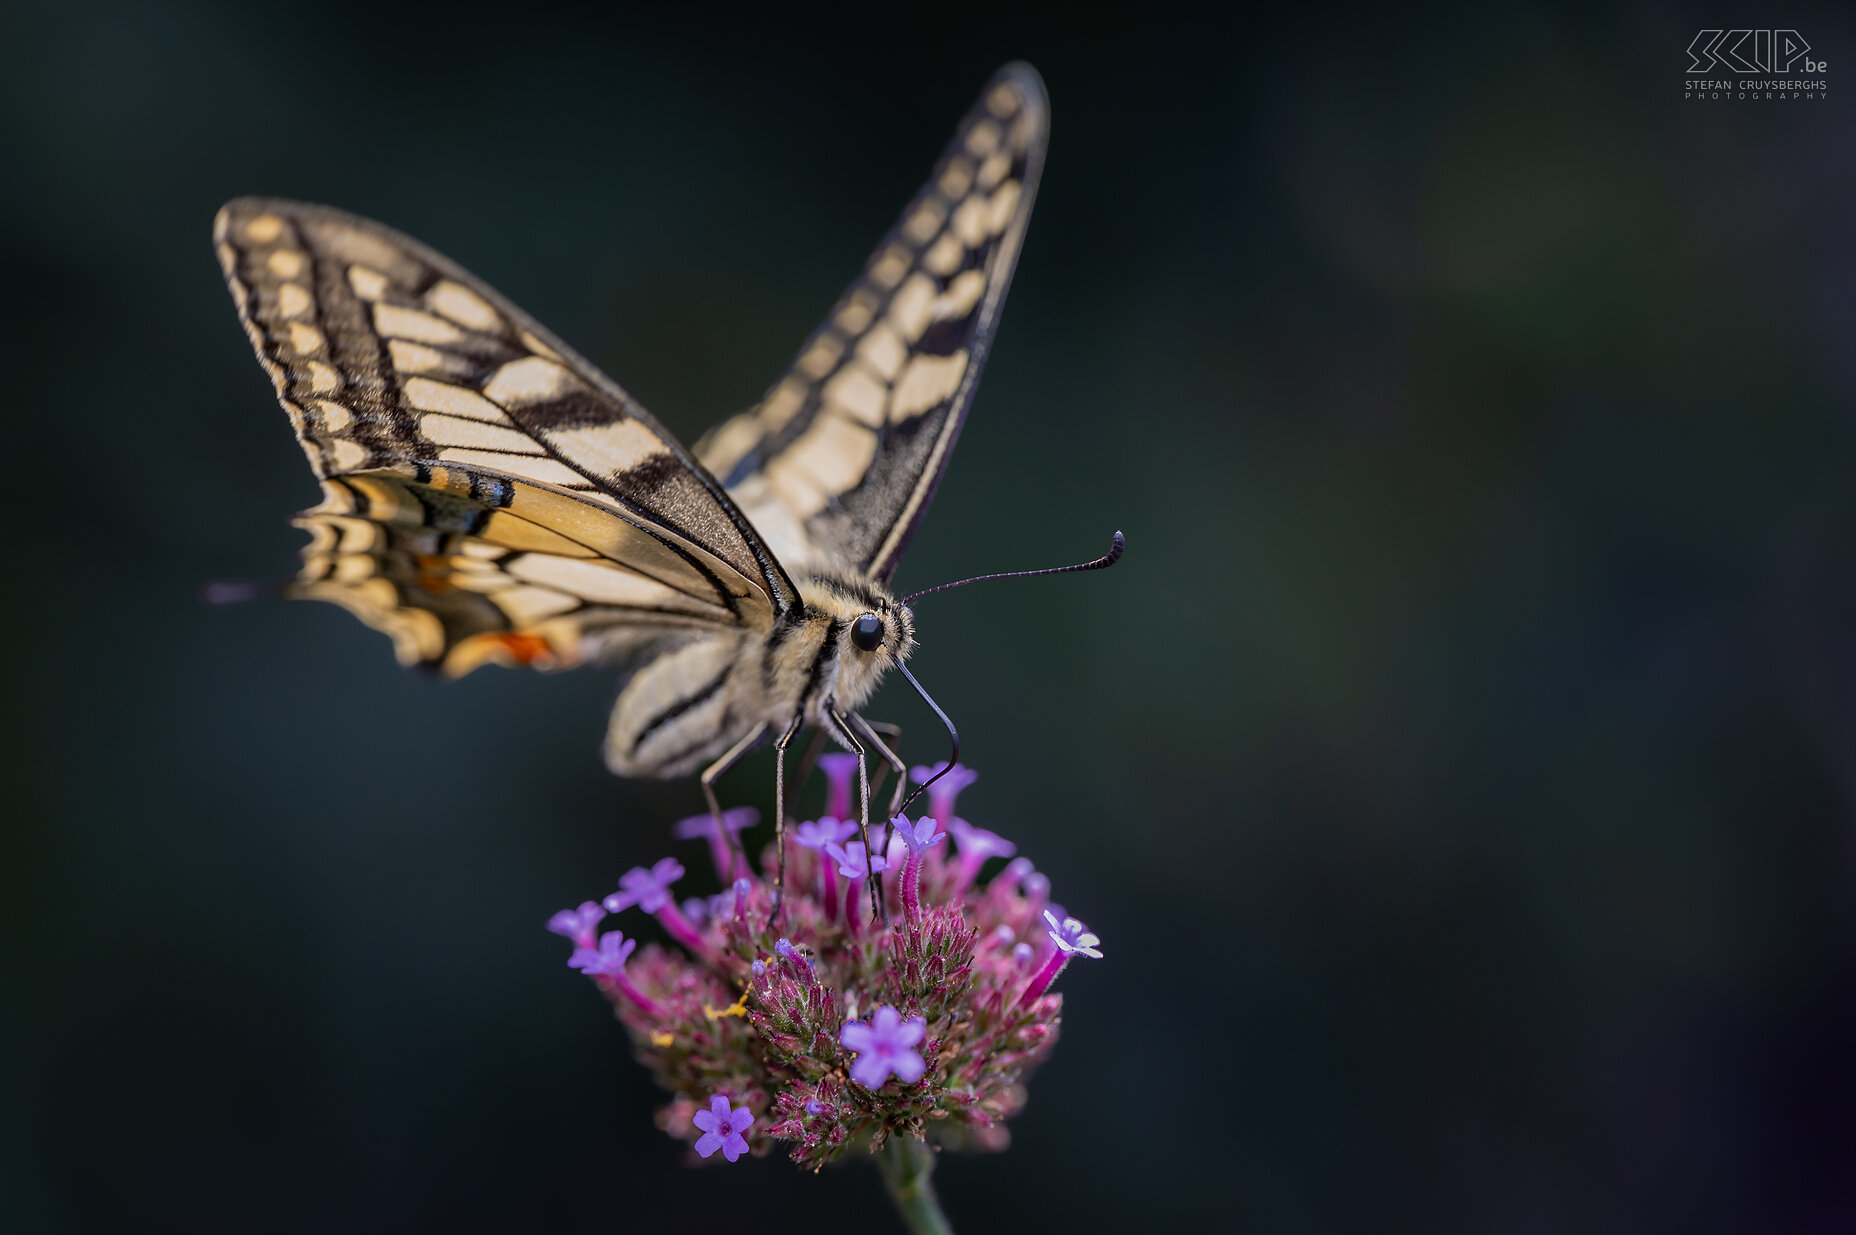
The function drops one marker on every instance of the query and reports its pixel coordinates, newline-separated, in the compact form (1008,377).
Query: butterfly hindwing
(839,460)
(488,493)
(537,579)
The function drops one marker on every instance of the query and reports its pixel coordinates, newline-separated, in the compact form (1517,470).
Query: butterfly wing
(840,459)
(488,494)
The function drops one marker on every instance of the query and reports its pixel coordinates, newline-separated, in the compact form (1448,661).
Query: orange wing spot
(433,572)
(523,649)
(504,647)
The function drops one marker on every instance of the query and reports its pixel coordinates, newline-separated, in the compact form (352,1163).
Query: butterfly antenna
(1102,563)
(953,735)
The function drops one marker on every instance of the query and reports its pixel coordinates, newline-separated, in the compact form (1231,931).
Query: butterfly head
(871,629)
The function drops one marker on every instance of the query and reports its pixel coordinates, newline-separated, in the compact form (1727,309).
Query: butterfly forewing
(488,493)
(838,461)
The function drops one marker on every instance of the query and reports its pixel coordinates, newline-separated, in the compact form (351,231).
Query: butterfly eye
(867,632)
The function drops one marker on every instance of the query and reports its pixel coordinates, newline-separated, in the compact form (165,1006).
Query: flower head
(647,889)
(722,1129)
(885,1045)
(607,959)
(578,924)
(824,832)
(847,1014)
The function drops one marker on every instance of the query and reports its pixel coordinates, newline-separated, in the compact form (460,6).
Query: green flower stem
(907,1165)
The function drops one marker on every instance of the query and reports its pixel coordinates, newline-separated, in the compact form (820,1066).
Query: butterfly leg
(863,786)
(750,741)
(874,732)
(779,811)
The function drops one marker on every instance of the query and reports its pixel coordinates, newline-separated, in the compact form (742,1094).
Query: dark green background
(1458,768)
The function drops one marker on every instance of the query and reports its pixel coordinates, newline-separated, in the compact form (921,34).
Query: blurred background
(1459,768)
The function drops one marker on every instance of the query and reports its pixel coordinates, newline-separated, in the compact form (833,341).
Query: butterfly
(489,496)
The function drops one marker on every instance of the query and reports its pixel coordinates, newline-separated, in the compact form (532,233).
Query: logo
(1745,53)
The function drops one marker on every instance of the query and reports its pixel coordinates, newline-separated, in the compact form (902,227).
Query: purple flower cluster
(833,1026)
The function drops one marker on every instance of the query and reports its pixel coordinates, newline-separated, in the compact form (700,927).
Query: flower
(723,846)
(850,860)
(702,827)
(978,843)
(885,1045)
(1072,939)
(912,1005)
(1072,936)
(841,783)
(608,959)
(824,832)
(647,889)
(920,836)
(722,1129)
(578,924)
(942,793)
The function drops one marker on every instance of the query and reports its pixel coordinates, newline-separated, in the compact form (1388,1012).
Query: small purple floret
(578,924)
(840,776)
(647,889)
(920,836)
(722,844)
(702,827)
(942,793)
(826,831)
(1003,884)
(978,842)
(850,860)
(722,1129)
(885,1045)
(605,961)
(1072,936)
(976,845)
